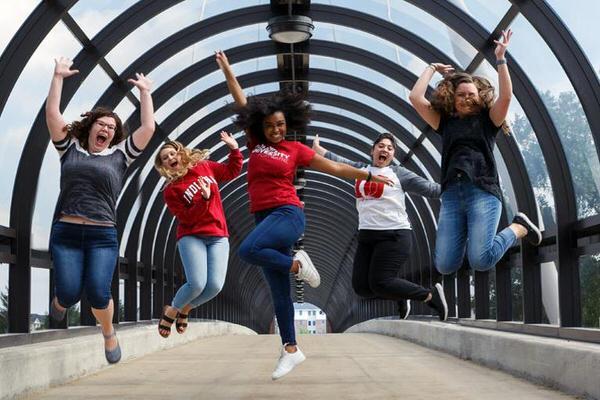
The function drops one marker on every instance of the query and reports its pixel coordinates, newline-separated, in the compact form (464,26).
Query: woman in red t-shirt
(192,196)
(277,209)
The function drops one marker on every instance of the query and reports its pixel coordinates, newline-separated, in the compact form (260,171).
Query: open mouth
(101,139)
(173,164)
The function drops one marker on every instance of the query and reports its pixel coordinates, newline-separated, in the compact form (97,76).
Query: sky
(30,91)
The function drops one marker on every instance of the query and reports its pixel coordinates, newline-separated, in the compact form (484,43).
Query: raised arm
(54,118)
(413,183)
(322,164)
(417,94)
(232,83)
(233,166)
(320,150)
(142,135)
(499,110)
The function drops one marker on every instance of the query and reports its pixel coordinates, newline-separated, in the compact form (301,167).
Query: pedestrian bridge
(378,359)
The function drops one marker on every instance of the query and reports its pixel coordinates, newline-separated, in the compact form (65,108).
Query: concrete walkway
(344,366)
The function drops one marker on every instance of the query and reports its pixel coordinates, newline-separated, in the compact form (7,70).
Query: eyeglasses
(108,127)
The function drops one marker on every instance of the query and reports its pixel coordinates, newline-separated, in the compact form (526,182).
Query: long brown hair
(81,129)
(442,99)
(189,158)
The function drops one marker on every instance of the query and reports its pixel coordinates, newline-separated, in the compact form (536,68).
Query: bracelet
(369,177)
(432,67)
(501,61)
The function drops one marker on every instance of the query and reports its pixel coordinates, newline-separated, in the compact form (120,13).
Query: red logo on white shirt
(368,189)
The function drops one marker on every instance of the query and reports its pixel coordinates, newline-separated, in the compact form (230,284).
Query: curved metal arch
(150,228)
(129,195)
(571,56)
(556,161)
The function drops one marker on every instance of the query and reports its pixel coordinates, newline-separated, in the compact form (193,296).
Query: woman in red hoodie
(192,196)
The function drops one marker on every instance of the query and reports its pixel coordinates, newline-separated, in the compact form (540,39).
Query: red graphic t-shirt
(197,216)
(271,170)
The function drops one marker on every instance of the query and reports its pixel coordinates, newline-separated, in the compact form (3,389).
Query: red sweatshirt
(197,216)
(271,170)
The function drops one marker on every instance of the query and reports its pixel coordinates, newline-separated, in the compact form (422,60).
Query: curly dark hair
(295,109)
(81,129)
(442,99)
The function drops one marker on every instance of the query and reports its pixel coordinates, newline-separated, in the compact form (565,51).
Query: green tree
(4,311)
(580,150)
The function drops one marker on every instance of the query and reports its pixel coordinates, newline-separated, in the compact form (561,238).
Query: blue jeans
(469,219)
(205,263)
(269,245)
(84,257)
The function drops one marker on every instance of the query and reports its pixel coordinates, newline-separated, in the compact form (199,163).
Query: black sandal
(181,326)
(163,327)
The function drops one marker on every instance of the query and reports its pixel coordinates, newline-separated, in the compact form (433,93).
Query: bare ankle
(519,230)
(295,266)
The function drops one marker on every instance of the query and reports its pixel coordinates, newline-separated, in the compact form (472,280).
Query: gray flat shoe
(112,356)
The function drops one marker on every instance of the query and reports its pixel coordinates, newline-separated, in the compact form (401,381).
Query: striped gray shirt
(90,183)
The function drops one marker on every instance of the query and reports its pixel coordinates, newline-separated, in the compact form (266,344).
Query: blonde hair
(442,100)
(189,158)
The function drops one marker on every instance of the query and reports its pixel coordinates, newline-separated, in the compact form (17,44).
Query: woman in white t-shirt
(385,237)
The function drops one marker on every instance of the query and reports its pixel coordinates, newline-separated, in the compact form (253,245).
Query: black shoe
(403,308)
(534,236)
(438,302)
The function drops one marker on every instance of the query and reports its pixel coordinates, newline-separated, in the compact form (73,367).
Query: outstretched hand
(141,82)
(316,146)
(222,60)
(62,67)
(382,179)
(502,45)
(229,140)
(443,69)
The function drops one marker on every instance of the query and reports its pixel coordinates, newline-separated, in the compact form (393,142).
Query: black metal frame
(158,253)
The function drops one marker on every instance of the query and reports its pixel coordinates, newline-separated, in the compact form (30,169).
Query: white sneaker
(307,271)
(287,362)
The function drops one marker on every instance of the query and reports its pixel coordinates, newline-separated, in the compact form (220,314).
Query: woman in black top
(464,112)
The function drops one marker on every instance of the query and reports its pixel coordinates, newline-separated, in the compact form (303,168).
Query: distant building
(309,319)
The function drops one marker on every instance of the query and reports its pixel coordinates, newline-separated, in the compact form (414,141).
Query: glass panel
(589,281)
(506,186)
(549,278)
(566,112)
(40,293)
(16,119)
(3,298)
(413,19)
(205,49)
(487,13)
(215,7)
(91,17)
(530,150)
(12,15)
(492,294)
(369,101)
(516,283)
(376,45)
(583,25)
(159,28)
(212,79)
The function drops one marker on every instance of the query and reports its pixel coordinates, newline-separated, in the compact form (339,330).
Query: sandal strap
(182,316)
(182,324)
(166,328)
(167,318)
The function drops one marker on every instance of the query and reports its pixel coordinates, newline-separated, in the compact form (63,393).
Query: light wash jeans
(469,219)
(205,263)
